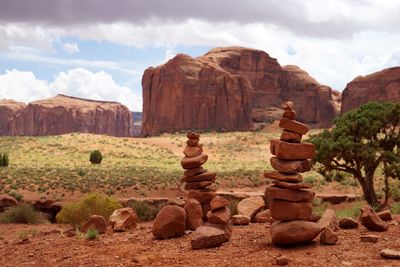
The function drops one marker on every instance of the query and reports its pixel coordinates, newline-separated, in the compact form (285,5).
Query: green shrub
(319,207)
(92,234)
(395,208)
(22,213)
(16,195)
(145,211)
(353,211)
(394,190)
(96,157)
(4,161)
(77,213)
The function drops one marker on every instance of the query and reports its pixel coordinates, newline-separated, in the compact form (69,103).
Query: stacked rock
(197,179)
(289,200)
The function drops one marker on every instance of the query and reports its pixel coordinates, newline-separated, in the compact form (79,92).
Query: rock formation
(8,108)
(289,198)
(64,114)
(229,89)
(379,86)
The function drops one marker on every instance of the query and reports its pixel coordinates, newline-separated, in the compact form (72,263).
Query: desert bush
(16,195)
(77,213)
(353,211)
(395,208)
(4,161)
(394,191)
(92,234)
(96,157)
(145,211)
(22,213)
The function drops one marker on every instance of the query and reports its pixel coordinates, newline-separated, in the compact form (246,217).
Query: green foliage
(319,207)
(92,234)
(77,213)
(362,140)
(395,208)
(4,161)
(353,211)
(22,213)
(96,157)
(395,190)
(145,211)
(16,195)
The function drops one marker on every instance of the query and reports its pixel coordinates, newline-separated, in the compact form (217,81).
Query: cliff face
(8,108)
(64,114)
(379,86)
(229,89)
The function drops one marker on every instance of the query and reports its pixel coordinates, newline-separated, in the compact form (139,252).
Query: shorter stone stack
(289,198)
(197,179)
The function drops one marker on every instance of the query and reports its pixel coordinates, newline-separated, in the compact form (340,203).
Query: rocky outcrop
(8,108)
(230,89)
(64,114)
(383,85)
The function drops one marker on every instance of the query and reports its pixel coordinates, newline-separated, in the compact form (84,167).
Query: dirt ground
(249,246)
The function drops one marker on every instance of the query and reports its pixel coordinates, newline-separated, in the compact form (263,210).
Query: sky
(99,49)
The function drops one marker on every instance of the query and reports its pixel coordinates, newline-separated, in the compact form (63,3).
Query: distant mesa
(65,114)
(229,89)
(383,85)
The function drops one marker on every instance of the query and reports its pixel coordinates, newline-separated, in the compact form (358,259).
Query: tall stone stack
(197,179)
(290,200)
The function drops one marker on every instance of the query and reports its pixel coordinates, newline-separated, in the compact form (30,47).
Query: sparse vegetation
(92,234)
(22,213)
(77,213)
(145,211)
(4,161)
(353,211)
(96,157)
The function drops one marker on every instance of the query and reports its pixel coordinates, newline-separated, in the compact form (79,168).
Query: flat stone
(371,221)
(282,260)
(205,176)
(204,196)
(293,232)
(207,237)
(290,137)
(290,166)
(385,215)
(195,171)
(220,216)
(95,222)
(218,203)
(328,237)
(250,206)
(193,151)
(329,220)
(195,162)
(348,223)
(333,198)
(124,219)
(390,253)
(293,126)
(170,222)
(194,214)
(197,185)
(290,178)
(369,238)
(282,210)
(263,217)
(293,186)
(292,151)
(240,219)
(289,195)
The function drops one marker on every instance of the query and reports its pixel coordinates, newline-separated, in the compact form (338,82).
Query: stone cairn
(290,201)
(215,213)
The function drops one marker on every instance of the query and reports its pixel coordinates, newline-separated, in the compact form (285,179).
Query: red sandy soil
(249,246)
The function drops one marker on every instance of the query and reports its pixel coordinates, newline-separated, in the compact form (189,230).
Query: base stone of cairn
(207,214)
(290,199)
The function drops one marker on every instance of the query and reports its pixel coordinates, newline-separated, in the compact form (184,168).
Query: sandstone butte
(64,114)
(230,89)
(378,86)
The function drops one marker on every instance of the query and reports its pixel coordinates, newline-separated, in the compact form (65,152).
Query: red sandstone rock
(293,186)
(290,195)
(8,108)
(195,162)
(221,89)
(204,196)
(370,220)
(348,223)
(293,126)
(385,215)
(197,185)
(123,219)
(170,222)
(328,237)
(218,203)
(206,208)
(379,86)
(192,142)
(291,178)
(240,219)
(289,114)
(205,176)
(329,220)
(64,114)
(292,151)
(290,137)
(95,222)
(250,206)
(208,237)
(193,135)
(220,216)
(193,151)
(290,166)
(282,210)
(7,201)
(293,232)
(263,217)
(194,214)
(195,171)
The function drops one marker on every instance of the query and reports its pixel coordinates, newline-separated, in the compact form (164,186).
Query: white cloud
(79,82)
(71,48)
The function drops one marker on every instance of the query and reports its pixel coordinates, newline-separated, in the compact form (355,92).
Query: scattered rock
(218,203)
(369,238)
(207,237)
(328,237)
(390,253)
(250,206)
(240,219)
(371,221)
(170,222)
(314,217)
(178,201)
(263,217)
(123,220)
(385,215)
(220,216)
(329,219)
(293,232)
(348,223)
(282,260)
(194,214)
(282,210)
(95,222)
